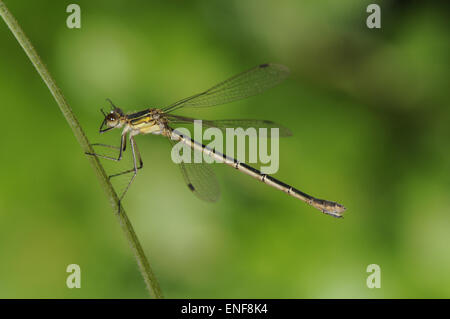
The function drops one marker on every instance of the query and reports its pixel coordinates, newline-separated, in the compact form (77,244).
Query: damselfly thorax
(149,121)
(198,176)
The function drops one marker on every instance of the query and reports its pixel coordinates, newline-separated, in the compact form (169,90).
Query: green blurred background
(369,110)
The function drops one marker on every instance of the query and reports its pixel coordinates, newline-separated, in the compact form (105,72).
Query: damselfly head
(112,120)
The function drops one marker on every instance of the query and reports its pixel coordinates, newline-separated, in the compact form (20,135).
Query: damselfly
(198,176)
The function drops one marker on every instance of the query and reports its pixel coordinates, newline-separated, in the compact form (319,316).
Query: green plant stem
(144,266)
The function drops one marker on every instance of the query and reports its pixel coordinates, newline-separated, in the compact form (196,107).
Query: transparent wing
(200,179)
(234,123)
(238,87)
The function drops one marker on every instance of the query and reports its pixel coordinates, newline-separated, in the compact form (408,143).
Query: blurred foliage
(369,110)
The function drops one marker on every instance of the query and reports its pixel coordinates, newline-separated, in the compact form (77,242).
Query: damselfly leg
(135,153)
(141,163)
(135,168)
(121,148)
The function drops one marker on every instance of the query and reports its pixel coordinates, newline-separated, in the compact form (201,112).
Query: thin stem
(144,266)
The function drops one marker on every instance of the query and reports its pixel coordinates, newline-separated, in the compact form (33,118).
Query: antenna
(113,107)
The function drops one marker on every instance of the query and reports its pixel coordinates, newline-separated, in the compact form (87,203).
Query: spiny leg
(121,148)
(110,146)
(133,151)
(141,163)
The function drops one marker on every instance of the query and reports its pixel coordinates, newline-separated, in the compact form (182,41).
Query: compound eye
(110,117)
